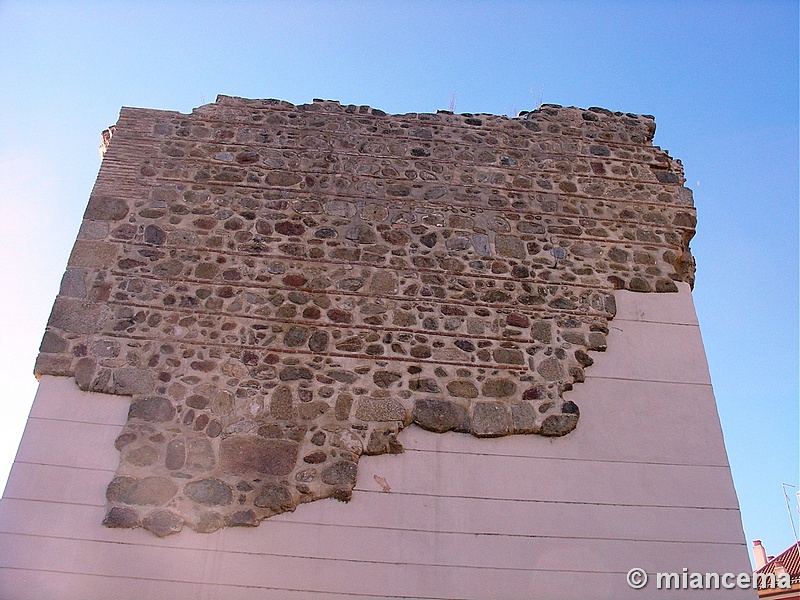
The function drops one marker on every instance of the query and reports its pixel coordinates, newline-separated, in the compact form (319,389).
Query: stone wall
(282,288)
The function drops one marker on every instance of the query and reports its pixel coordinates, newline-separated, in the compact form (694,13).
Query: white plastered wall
(642,482)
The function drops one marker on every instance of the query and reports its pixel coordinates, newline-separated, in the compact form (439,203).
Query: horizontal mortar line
(157,143)
(257,285)
(110,183)
(295,521)
(125,163)
(140,182)
(261,285)
(649,380)
(563,458)
(106,186)
(522,133)
(540,501)
(340,354)
(123,154)
(555,215)
(133,142)
(417,299)
(117,176)
(437,202)
(563,236)
(304,151)
(337,195)
(140,141)
(135,146)
(362,561)
(340,194)
(125,151)
(330,261)
(290,132)
(195,583)
(465,146)
(327,325)
(580,237)
(518,309)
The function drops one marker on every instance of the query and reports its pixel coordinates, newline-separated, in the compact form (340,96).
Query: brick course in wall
(281,289)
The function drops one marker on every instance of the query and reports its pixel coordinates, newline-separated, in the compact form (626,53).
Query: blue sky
(720,77)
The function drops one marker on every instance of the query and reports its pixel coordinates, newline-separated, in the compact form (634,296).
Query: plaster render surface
(513,517)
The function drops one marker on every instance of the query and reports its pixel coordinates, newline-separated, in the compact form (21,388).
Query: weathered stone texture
(283,288)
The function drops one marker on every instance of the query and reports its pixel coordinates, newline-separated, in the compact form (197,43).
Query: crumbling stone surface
(281,289)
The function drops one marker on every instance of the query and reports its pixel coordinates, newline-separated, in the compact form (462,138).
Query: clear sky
(720,77)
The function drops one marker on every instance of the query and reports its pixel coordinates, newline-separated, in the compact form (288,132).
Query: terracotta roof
(789,560)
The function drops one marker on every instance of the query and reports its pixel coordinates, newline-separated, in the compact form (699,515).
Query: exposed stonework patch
(283,288)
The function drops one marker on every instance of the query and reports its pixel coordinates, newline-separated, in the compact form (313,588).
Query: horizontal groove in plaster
(344,560)
(253,587)
(621,320)
(568,458)
(664,381)
(560,502)
(54,502)
(62,466)
(456,453)
(194,585)
(295,521)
